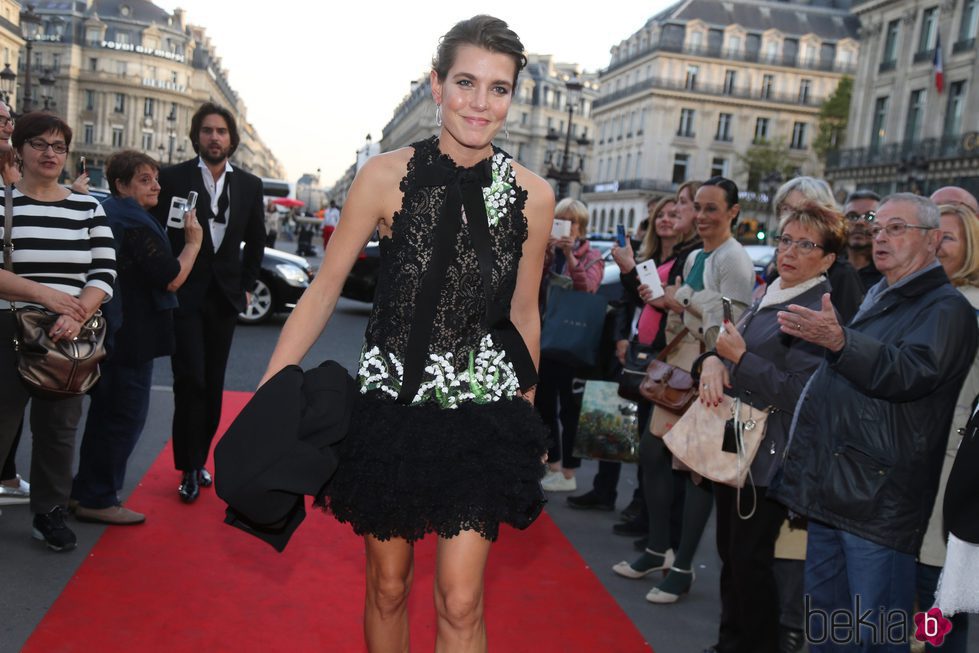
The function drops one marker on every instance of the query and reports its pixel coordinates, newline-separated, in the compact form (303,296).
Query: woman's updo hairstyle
(730,193)
(484,32)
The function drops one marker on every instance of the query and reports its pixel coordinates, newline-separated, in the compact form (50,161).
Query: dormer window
(124,10)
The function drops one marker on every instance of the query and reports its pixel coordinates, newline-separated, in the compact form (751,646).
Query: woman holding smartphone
(444,439)
(571,262)
(140,319)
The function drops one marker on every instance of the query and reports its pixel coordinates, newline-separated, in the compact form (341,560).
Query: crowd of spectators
(859,342)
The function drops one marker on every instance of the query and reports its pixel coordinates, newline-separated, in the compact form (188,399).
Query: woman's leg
(388,571)
(459,593)
(657,470)
(569,415)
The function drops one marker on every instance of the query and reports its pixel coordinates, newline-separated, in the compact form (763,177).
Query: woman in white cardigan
(721,268)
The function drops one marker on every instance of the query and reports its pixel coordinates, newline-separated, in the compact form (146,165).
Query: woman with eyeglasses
(63,260)
(959,255)
(767,369)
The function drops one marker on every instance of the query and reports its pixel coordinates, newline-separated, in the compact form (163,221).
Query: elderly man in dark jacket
(869,433)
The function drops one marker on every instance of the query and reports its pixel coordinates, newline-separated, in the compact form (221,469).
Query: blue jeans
(859,594)
(958,639)
(116,416)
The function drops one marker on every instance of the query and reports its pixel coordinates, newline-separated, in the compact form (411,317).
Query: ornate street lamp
(7,79)
(30,28)
(565,175)
(172,119)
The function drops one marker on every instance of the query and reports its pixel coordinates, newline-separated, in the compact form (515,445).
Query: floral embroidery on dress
(484,378)
(499,195)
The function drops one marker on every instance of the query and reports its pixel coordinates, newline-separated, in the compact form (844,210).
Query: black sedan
(362,280)
(281,283)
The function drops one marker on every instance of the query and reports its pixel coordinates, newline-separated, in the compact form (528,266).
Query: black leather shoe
(790,640)
(631,528)
(204,477)
(189,487)
(634,510)
(591,501)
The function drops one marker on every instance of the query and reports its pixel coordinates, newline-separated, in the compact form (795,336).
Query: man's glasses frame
(895,229)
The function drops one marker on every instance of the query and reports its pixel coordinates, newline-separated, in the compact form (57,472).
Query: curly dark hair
(208,109)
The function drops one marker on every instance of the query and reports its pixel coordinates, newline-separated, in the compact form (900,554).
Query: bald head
(955,195)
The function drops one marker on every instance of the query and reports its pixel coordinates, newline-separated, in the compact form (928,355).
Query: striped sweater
(66,245)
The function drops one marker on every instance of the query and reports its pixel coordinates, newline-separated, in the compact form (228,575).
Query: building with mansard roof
(904,133)
(701,82)
(128,74)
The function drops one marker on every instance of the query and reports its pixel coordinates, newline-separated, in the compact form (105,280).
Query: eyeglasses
(42,145)
(869,216)
(4,121)
(805,246)
(895,229)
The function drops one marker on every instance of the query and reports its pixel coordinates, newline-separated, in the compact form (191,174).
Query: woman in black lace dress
(445,439)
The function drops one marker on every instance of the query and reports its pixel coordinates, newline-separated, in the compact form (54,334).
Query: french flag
(938,64)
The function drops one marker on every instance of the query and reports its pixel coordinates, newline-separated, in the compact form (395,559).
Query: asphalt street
(32,577)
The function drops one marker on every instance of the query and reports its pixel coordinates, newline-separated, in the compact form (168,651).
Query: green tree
(766,159)
(833,117)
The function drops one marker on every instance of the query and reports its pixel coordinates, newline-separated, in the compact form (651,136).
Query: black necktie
(223,202)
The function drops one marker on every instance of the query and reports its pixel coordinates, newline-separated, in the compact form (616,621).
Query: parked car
(281,282)
(761,256)
(362,280)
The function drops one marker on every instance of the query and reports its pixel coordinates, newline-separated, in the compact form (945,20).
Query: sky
(317,77)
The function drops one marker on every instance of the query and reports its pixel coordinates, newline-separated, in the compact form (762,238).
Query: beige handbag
(697,440)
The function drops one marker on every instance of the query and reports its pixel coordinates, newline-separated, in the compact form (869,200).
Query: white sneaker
(19,494)
(559,483)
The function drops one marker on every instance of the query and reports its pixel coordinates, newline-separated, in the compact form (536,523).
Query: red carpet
(142,590)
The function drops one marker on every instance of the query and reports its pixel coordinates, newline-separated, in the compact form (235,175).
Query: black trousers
(203,343)
(749,594)
(53,426)
(559,407)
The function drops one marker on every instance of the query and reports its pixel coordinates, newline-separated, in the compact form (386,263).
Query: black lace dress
(440,442)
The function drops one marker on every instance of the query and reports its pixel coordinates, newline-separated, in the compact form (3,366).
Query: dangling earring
(506,131)
(438,115)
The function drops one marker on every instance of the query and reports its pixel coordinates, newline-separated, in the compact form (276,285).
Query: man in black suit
(229,207)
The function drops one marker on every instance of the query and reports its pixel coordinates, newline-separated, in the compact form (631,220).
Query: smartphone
(561,229)
(728,314)
(178,210)
(620,235)
(649,276)
(191,201)
(82,166)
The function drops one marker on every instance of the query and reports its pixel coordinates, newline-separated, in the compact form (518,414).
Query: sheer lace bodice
(463,363)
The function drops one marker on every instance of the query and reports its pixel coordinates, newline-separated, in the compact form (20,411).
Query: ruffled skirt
(406,471)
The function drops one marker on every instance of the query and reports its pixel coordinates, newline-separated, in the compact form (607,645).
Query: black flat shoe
(591,500)
(204,477)
(189,488)
(631,528)
(635,510)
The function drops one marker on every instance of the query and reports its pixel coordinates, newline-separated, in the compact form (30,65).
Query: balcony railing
(750,56)
(924,55)
(720,90)
(658,185)
(964,45)
(887,66)
(930,149)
